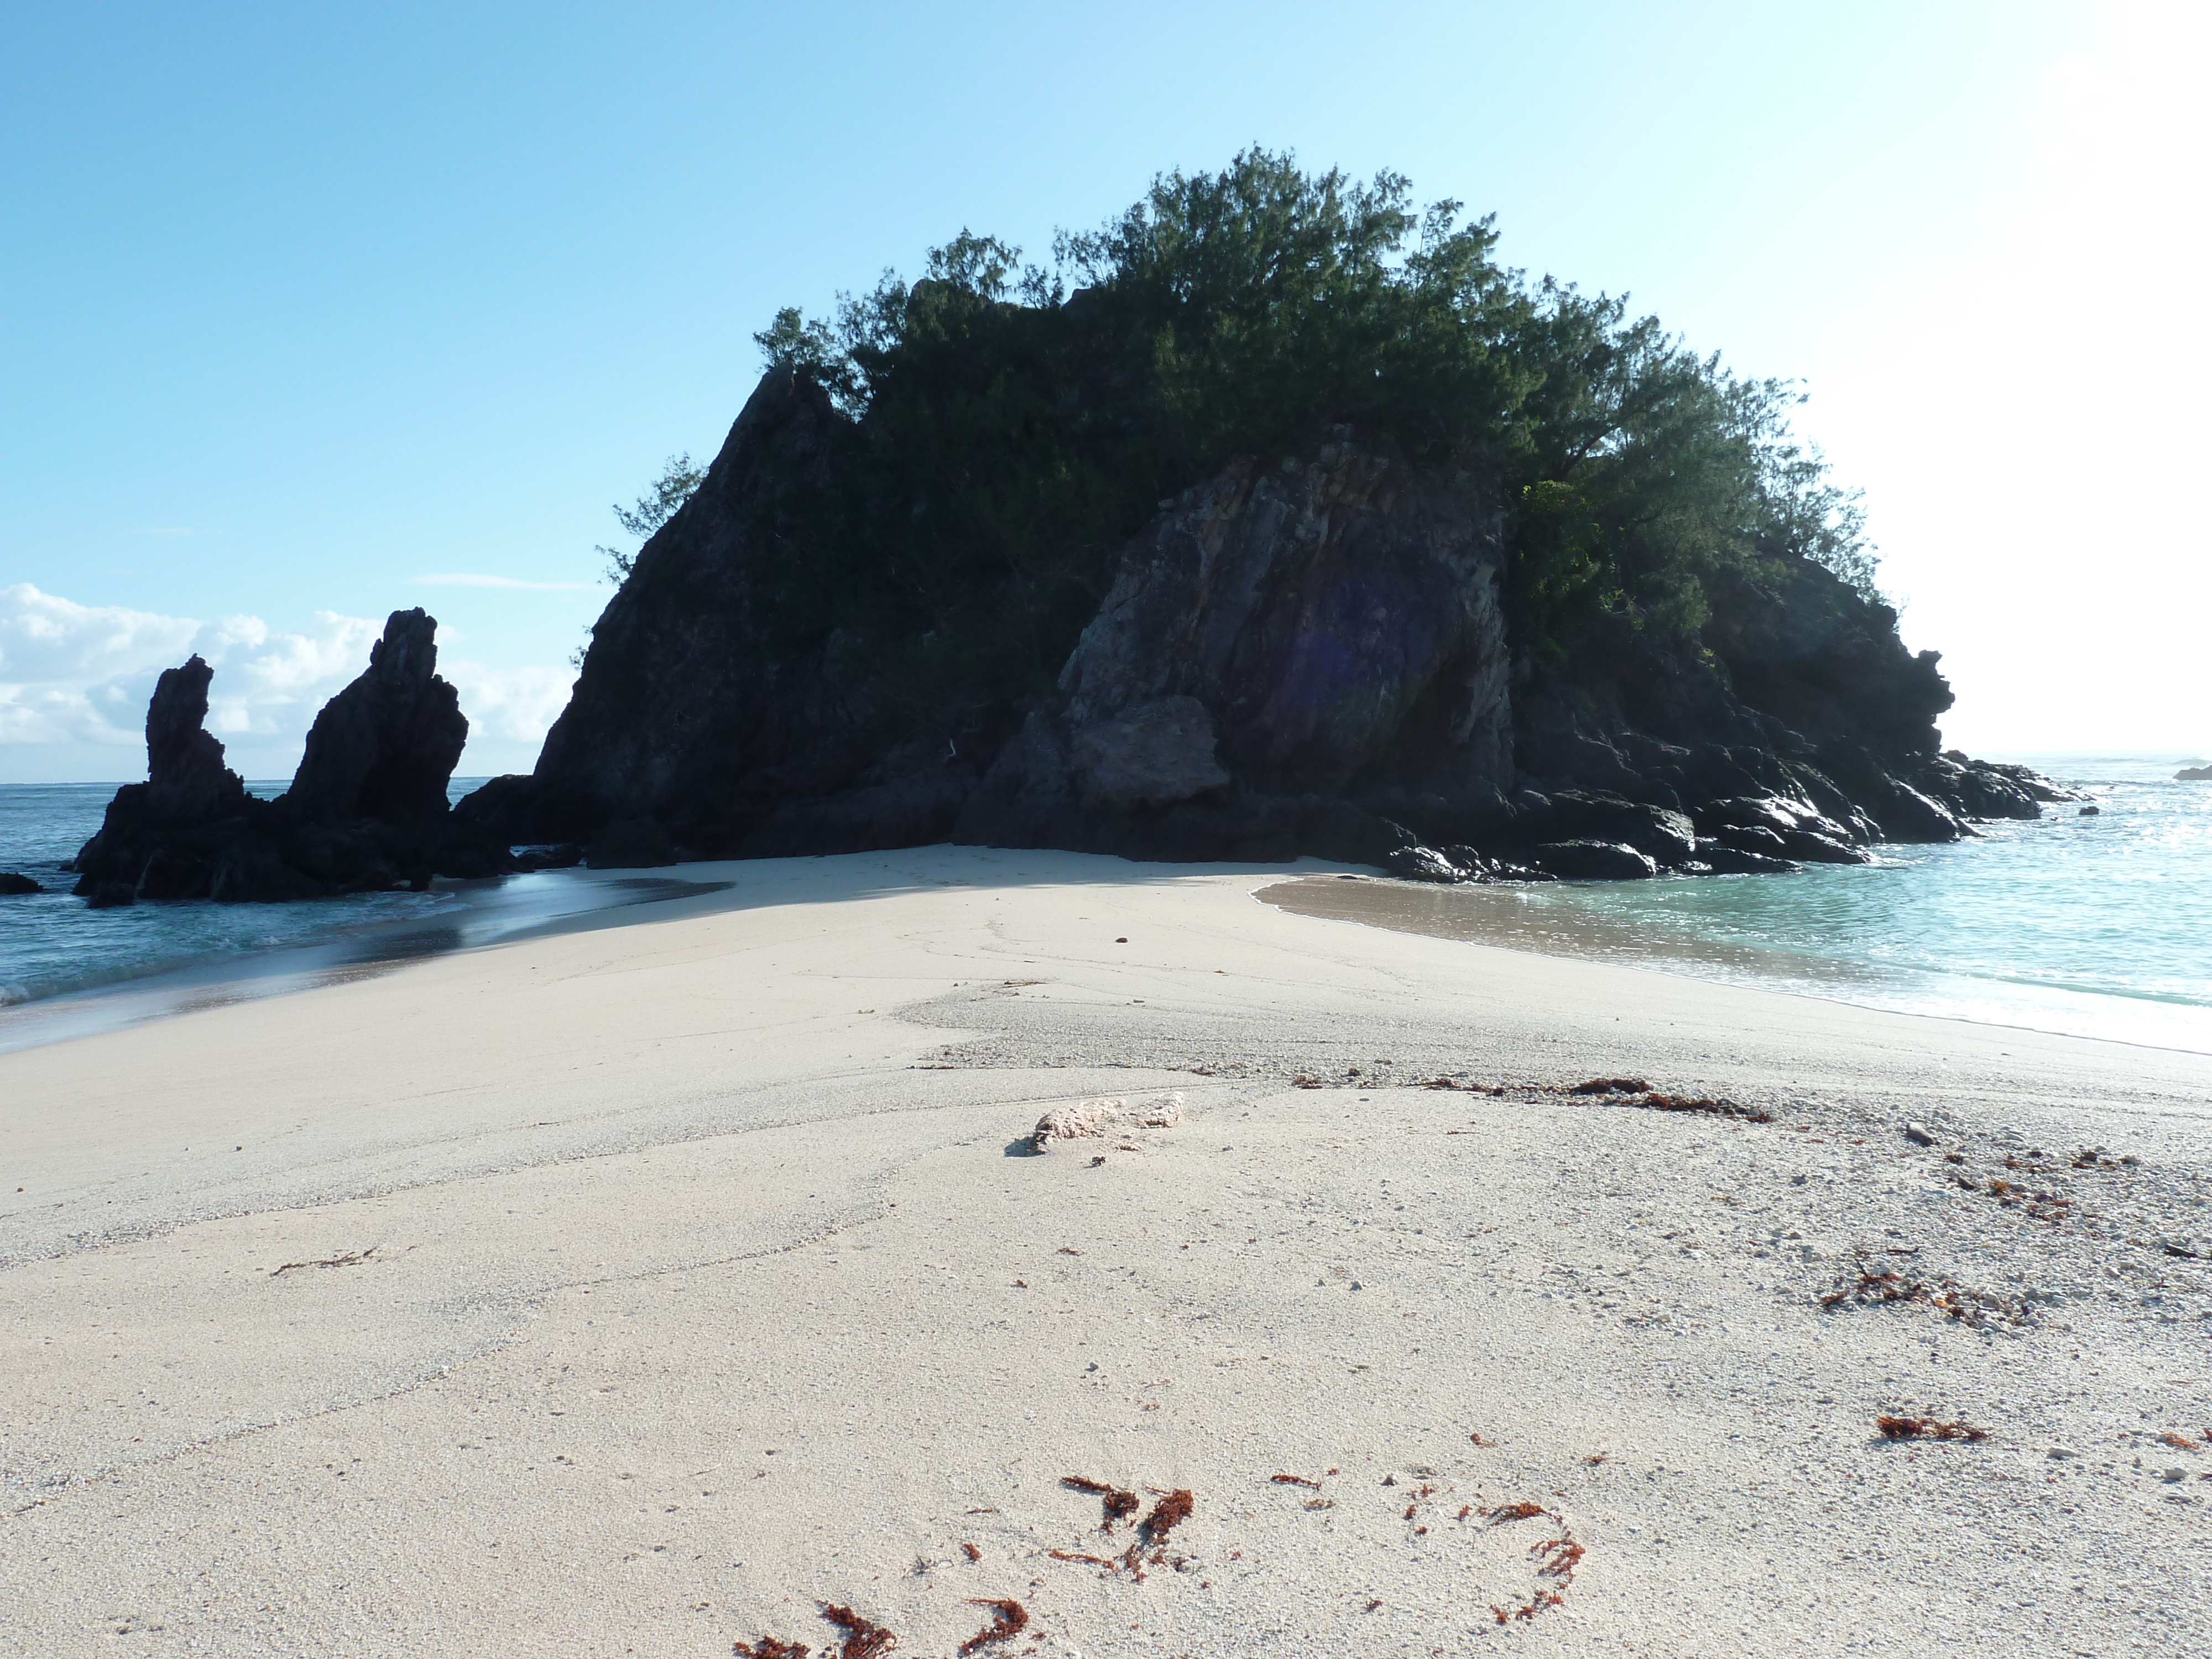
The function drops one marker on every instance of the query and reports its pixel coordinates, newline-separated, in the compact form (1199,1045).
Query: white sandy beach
(640,1289)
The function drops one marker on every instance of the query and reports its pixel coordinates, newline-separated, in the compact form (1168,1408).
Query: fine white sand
(639,1290)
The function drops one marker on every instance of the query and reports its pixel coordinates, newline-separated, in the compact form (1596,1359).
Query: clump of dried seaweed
(1945,1296)
(1009,1618)
(1658,1100)
(864,1639)
(1170,1512)
(1173,1509)
(1119,1502)
(2040,1204)
(1927,1428)
(1556,1559)
(1730,1108)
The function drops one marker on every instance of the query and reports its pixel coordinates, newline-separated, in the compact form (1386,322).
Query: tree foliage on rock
(1012,424)
(679,480)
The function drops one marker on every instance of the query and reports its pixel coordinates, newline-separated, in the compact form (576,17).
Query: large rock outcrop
(1277,639)
(168,837)
(366,810)
(1310,655)
(384,747)
(692,710)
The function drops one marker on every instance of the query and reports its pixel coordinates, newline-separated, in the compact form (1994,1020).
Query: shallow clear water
(51,944)
(2098,925)
(70,971)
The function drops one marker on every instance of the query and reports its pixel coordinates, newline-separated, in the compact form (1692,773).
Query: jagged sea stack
(163,838)
(384,747)
(366,810)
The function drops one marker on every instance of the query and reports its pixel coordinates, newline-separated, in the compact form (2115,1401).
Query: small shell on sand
(1090,1119)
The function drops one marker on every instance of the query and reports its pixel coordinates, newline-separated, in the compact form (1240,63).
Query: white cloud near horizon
(468,579)
(78,675)
(517,704)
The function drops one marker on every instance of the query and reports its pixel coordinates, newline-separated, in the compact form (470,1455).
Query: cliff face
(1307,656)
(1276,639)
(691,711)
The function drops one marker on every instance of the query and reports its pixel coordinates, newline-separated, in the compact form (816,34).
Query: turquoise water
(51,944)
(2098,925)
(67,971)
(2101,926)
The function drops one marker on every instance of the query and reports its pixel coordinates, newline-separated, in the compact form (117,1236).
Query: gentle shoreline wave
(2079,925)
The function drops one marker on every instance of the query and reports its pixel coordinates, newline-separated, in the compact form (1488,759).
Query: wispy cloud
(469,579)
(81,674)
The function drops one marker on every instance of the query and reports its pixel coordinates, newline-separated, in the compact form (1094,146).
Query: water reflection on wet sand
(491,913)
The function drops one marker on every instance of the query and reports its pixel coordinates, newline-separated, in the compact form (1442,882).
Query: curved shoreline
(489,913)
(1479,914)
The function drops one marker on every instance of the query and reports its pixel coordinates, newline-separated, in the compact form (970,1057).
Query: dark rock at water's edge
(15,885)
(2194,774)
(384,748)
(1312,657)
(366,812)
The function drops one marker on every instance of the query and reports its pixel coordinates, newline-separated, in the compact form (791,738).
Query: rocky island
(1261,526)
(1275,519)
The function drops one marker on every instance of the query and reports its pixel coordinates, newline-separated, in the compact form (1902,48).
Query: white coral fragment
(1090,1119)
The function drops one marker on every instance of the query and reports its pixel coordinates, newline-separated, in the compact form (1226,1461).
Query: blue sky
(300,307)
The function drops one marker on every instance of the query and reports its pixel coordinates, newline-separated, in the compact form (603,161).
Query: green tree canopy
(1014,423)
(678,479)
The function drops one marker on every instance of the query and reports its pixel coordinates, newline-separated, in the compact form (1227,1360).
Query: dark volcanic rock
(366,812)
(1305,656)
(13,885)
(1726,858)
(1423,863)
(694,708)
(186,782)
(1594,861)
(1291,642)
(385,746)
(172,827)
(630,844)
